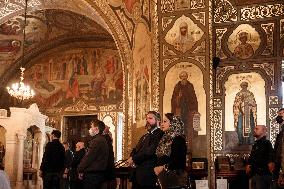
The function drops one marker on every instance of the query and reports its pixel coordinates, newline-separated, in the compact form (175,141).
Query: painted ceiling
(49,23)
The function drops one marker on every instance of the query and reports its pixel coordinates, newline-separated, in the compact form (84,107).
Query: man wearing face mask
(143,157)
(93,166)
(278,147)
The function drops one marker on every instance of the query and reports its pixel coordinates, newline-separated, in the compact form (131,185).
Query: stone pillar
(21,137)
(10,155)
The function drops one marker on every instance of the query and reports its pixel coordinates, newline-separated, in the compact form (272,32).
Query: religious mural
(142,73)
(185,96)
(245,107)
(184,34)
(245,113)
(92,74)
(10,42)
(244,41)
(41,28)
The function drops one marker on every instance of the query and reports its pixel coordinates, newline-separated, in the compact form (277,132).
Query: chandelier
(21,90)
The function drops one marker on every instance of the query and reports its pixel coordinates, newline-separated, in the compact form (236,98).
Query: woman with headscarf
(171,154)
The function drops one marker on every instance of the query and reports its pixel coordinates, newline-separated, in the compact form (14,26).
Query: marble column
(20,170)
(10,157)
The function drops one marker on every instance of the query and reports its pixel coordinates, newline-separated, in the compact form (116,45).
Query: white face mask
(93,132)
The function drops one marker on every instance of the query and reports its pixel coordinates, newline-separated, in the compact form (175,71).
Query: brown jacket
(96,159)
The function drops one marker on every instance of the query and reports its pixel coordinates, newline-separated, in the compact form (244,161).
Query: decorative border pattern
(224,12)
(197,4)
(200,59)
(274,127)
(168,5)
(167,62)
(269,30)
(217,130)
(261,11)
(127,24)
(219,36)
(273,100)
(200,16)
(155,65)
(217,103)
(220,74)
(281,28)
(166,21)
(269,69)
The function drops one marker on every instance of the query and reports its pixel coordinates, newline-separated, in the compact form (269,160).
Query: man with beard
(143,157)
(261,160)
(184,41)
(184,104)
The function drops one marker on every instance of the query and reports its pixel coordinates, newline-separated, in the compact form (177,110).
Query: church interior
(215,63)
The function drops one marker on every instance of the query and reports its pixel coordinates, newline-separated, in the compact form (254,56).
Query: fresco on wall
(142,73)
(245,107)
(11,33)
(244,41)
(184,95)
(10,43)
(184,34)
(38,30)
(92,74)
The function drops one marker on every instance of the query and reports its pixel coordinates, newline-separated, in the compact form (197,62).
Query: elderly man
(143,156)
(261,161)
(183,42)
(75,182)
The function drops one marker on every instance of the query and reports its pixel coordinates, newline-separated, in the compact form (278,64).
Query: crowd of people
(162,150)
(91,167)
(158,160)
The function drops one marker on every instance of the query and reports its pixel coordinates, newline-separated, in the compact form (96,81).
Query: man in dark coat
(143,156)
(278,147)
(75,182)
(93,166)
(261,161)
(52,164)
(65,184)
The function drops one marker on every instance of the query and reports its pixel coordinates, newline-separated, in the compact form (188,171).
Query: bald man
(75,182)
(261,161)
